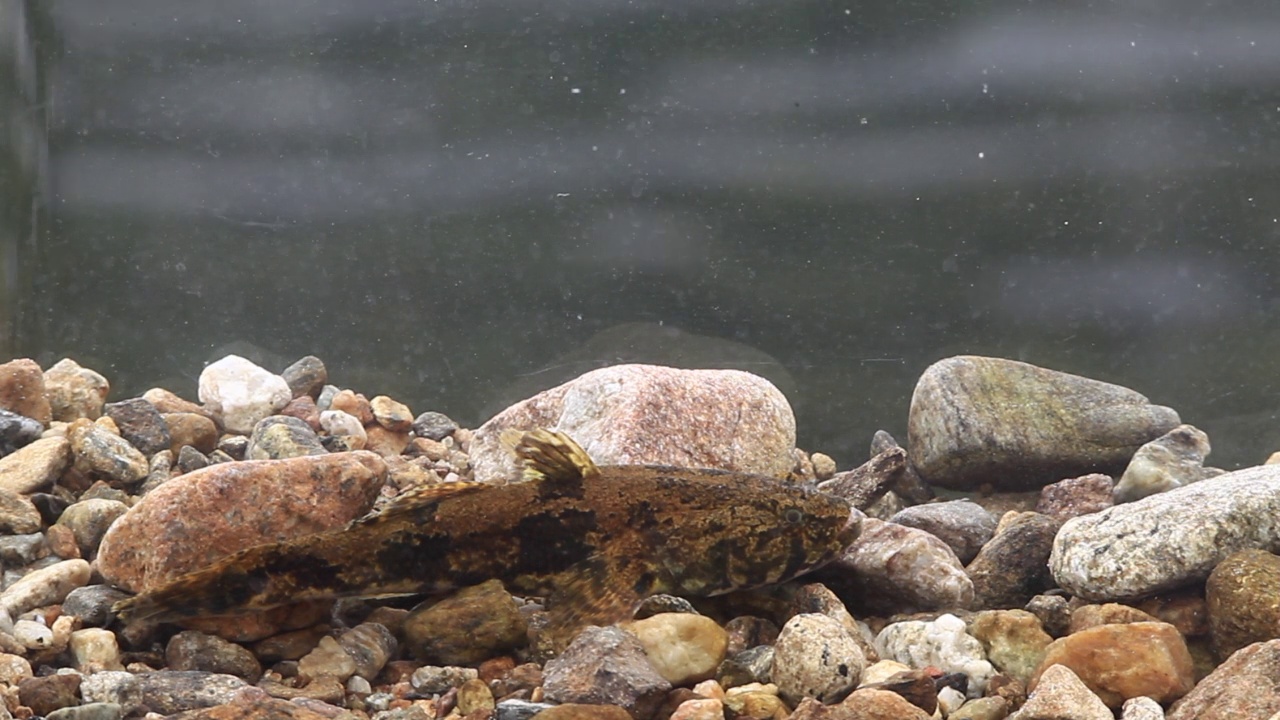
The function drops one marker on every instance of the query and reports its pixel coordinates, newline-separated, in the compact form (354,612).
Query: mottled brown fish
(594,541)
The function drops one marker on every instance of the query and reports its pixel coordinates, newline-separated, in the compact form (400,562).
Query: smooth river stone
(1168,540)
(979,420)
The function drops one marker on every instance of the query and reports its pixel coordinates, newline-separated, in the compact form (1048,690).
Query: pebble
(190,460)
(1014,641)
(1023,426)
(47,693)
(74,392)
(1141,708)
(193,429)
(1167,540)
(874,568)
(88,521)
(306,377)
(472,625)
(699,709)
(434,426)
(816,657)
(327,659)
(1125,661)
(605,666)
(227,507)
(1243,600)
(191,650)
(113,686)
(173,691)
(91,604)
(753,665)
(474,695)
(943,643)
(22,390)
(371,646)
(824,466)
(963,525)
(871,704)
(866,485)
(14,669)
(46,586)
(88,711)
(391,414)
(436,679)
(279,436)
(649,414)
(683,648)
(38,465)
(1244,686)
(583,711)
(141,424)
(17,431)
(1013,567)
(102,455)
(916,686)
(32,635)
(94,649)
(1172,460)
(514,709)
(1061,694)
(1084,617)
(241,393)
(1076,496)
(339,423)
(18,514)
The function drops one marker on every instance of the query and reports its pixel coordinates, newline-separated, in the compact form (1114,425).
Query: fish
(594,541)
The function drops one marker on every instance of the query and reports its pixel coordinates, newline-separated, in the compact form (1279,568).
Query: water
(441,200)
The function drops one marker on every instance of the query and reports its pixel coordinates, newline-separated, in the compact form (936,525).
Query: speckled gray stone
(963,525)
(816,657)
(1168,540)
(980,420)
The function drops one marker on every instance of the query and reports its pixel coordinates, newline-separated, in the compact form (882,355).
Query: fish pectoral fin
(597,591)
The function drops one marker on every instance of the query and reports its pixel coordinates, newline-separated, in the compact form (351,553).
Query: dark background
(444,199)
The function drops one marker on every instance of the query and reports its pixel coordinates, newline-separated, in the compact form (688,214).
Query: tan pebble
(824,466)
(62,541)
(474,695)
(709,689)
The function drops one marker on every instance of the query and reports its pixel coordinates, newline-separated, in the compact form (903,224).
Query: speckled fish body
(594,540)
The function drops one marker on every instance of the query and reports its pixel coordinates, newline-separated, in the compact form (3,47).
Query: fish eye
(792,515)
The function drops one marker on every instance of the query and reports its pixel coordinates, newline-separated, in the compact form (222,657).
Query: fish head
(755,531)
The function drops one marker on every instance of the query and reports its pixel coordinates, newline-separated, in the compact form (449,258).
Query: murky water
(443,199)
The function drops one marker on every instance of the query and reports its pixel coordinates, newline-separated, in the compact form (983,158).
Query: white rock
(942,643)
(1141,708)
(95,649)
(14,669)
(1168,540)
(114,686)
(45,586)
(32,635)
(950,700)
(337,422)
(815,657)
(242,393)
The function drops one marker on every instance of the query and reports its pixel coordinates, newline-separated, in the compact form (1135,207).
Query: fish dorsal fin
(550,455)
(417,498)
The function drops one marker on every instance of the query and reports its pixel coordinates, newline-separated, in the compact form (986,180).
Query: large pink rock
(654,415)
(194,519)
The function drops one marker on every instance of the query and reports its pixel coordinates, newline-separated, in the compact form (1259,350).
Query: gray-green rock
(471,626)
(1013,567)
(1170,461)
(281,436)
(1243,599)
(978,420)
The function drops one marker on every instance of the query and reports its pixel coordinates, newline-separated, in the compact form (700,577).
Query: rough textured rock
(917,686)
(980,420)
(472,625)
(1013,567)
(1013,639)
(194,429)
(371,646)
(817,598)
(869,704)
(98,454)
(35,466)
(18,515)
(963,525)
(683,648)
(241,393)
(1243,600)
(894,568)
(190,650)
(22,390)
(1118,662)
(1247,685)
(192,520)
(867,484)
(279,436)
(307,376)
(75,392)
(51,692)
(89,520)
(45,586)
(1170,461)
(605,666)
(1141,708)
(1084,617)
(987,708)
(141,424)
(1076,496)
(171,692)
(583,711)
(1062,696)
(647,414)
(815,657)
(943,643)
(1168,540)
